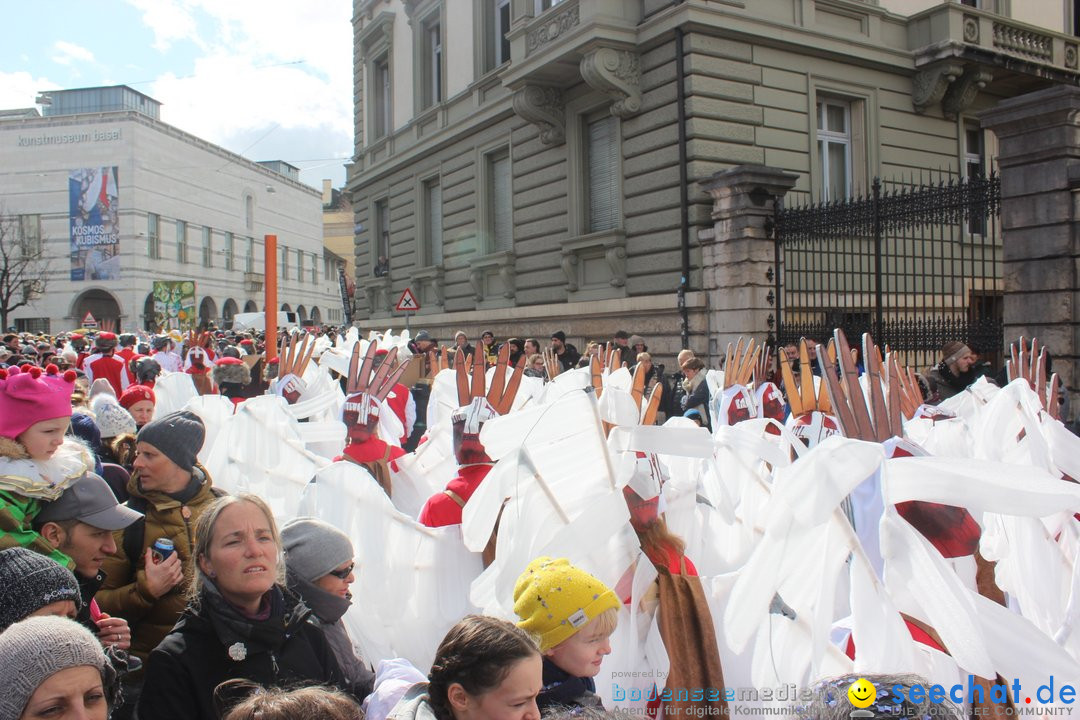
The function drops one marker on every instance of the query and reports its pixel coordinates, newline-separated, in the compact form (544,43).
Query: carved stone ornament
(929,84)
(614,248)
(617,74)
(543,106)
(962,93)
(476,280)
(551,28)
(569,264)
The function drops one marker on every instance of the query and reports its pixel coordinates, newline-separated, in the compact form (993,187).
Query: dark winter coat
(943,383)
(326,613)
(563,690)
(216,642)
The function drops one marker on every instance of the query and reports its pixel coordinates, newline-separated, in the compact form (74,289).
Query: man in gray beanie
(171,488)
(33,584)
(46,659)
(319,568)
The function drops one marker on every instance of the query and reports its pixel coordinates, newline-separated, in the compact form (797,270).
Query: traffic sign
(407,302)
(89,321)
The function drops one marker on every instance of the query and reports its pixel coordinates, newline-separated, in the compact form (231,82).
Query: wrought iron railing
(917,263)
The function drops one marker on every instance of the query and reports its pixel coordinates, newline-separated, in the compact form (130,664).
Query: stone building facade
(534,165)
(183,210)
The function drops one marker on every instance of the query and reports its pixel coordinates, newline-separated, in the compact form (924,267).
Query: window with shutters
(501,200)
(839,160)
(153,236)
(431,213)
(380,97)
(284,269)
(300,265)
(381,230)
(30,235)
(207,247)
(229,250)
(430,61)
(249,256)
(314,268)
(181,241)
(602,166)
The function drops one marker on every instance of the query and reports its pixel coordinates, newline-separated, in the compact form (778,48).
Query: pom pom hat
(32,395)
(554,600)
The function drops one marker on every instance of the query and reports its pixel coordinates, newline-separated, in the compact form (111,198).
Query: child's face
(42,439)
(583,652)
(513,699)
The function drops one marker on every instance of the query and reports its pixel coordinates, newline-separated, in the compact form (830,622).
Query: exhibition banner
(95,224)
(174,305)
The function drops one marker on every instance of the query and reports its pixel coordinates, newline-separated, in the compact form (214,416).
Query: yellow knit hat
(554,600)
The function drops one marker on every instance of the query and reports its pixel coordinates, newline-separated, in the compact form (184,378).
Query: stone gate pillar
(737,254)
(1039,157)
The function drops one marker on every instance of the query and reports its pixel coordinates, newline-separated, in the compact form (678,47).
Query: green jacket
(125,592)
(25,488)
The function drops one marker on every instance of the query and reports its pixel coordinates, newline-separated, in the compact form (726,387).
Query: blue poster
(95,224)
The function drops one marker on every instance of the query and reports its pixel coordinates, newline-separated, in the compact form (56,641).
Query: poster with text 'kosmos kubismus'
(93,201)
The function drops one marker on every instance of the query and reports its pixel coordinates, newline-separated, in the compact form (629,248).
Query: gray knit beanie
(179,436)
(29,581)
(37,648)
(313,548)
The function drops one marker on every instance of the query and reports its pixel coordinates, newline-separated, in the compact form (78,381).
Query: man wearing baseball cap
(80,523)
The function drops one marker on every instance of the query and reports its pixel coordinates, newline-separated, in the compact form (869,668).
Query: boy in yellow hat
(572,615)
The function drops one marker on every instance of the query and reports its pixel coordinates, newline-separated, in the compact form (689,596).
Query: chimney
(327,191)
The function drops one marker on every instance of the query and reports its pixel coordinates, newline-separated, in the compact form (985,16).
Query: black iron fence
(915,263)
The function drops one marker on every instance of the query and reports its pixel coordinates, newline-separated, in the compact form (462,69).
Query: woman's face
(142,411)
(74,693)
(44,438)
(242,557)
(338,581)
(513,699)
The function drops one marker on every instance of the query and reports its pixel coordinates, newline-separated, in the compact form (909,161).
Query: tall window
(500,200)
(382,228)
(153,236)
(229,251)
(602,166)
(249,257)
(542,5)
(432,63)
(432,212)
(207,247)
(284,270)
(326,268)
(181,241)
(834,148)
(974,166)
(314,268)
(498,27)
(380,86)
(30,235)
(249,212)
(300,265)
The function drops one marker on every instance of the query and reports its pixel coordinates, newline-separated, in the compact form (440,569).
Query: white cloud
(20,89)
(170,21)
(71,54)
(247,80)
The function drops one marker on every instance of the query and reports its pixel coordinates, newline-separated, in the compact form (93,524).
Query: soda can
(161,550)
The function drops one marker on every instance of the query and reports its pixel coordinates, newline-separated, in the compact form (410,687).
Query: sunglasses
(344,573)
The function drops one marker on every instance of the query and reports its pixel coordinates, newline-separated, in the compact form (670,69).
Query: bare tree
(23,264)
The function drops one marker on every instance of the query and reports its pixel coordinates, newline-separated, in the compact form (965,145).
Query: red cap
(230,361)
(135,394)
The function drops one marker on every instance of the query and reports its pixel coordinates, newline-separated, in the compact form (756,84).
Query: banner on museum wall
(174,305)
(93,201)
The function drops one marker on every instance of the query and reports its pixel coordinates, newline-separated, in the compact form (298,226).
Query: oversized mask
(366,390)
(476,406)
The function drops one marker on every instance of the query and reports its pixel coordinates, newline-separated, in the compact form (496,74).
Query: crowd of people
(132,585)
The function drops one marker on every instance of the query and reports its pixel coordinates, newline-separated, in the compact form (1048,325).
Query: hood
(328,608)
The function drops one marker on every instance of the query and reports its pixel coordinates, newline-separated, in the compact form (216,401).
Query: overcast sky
(269,79)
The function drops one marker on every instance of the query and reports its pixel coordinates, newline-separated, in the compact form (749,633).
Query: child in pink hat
(37,461)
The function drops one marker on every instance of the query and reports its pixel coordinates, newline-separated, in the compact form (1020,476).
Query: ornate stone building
(533,165)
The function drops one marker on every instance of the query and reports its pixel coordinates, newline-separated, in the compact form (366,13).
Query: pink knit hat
(30,395)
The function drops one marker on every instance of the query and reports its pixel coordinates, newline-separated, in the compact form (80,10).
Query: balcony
(590,40)
(960,51)
(253,282)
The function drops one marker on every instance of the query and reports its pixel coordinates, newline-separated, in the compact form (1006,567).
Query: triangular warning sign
(407,302)
(89,321)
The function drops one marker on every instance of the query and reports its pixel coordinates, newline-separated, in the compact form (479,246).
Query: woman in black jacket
(241,623)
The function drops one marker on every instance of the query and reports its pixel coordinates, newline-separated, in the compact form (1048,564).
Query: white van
(257,320)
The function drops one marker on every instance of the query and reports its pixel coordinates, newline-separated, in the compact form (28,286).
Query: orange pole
(270,288)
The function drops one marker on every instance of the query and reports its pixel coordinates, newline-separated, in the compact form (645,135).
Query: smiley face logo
(861,693)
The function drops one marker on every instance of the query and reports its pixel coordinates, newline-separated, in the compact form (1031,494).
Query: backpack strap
(135,533)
